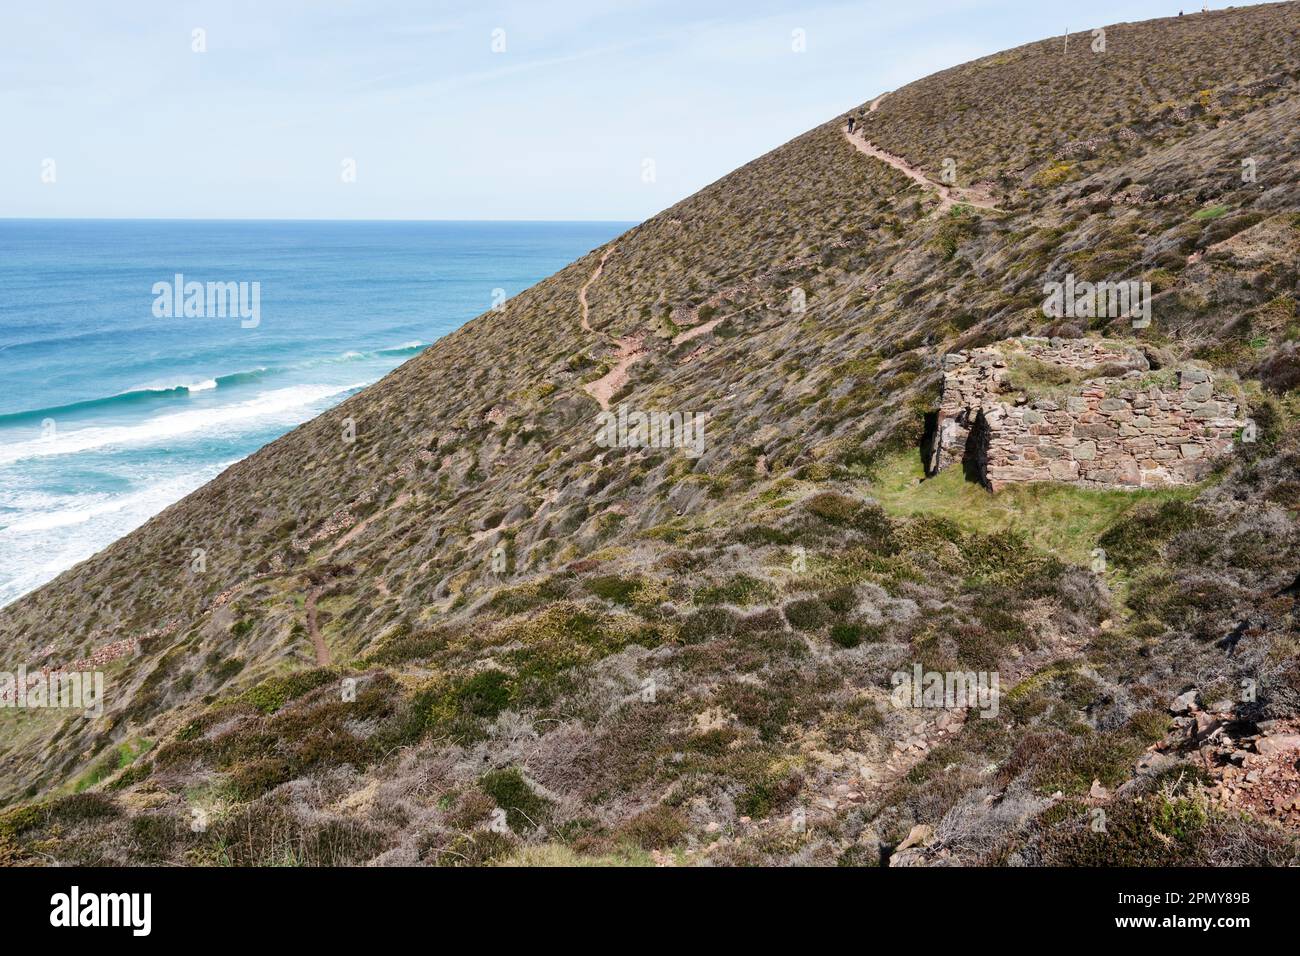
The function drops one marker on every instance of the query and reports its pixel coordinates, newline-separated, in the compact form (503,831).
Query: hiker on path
(850,125)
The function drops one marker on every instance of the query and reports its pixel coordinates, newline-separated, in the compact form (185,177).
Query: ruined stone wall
(1129,428)
(976,379)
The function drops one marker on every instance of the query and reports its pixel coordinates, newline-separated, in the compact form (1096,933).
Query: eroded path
(949,196)
(317,639)
(582,293)
(629,349)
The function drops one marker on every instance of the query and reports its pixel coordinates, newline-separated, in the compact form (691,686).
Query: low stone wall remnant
(1125,426)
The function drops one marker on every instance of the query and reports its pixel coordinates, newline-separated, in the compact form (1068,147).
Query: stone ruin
(1105,418)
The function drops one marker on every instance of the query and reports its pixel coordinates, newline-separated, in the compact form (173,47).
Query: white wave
(278,404)
(175,386)
(61,511)
(34,549)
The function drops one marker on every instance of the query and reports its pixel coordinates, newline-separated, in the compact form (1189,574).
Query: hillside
(643,655)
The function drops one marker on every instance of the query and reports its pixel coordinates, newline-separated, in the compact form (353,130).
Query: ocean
(115,403)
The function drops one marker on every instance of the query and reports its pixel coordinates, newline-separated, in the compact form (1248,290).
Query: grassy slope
(524,690)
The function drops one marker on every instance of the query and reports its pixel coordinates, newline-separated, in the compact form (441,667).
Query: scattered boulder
(1280,743)
(909,853)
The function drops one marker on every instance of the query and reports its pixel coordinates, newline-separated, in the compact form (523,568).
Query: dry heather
(642,656)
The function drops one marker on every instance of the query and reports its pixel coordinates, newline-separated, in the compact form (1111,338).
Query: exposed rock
(918,836)
(1271,746)
(908,853)
(1206,725)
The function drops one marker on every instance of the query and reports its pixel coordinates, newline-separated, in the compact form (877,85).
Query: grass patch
(1038,380)
(1059,519)
(118,758)
(557,854)
(1139,537)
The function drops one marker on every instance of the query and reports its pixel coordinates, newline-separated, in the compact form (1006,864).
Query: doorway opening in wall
(975,455)
(930,444)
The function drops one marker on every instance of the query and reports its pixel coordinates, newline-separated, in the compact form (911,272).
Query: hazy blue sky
(440,126)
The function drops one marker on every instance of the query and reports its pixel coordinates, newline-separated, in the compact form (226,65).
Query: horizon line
(290,219)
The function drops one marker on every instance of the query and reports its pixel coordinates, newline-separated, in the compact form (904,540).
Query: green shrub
(228,669)
(710,623)
(274,692)
(250,780)
(1072,766)
(1149,831)
(809,614)
(1053,174)
(485,694)
(770,792)
(960,224)
(406,645)
(525,810)
(80,807)
(849,635)
(613,588)
(833,507)
(156,837)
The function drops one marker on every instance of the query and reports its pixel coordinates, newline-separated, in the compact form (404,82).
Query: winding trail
(697,331)
(949,196)
(630,349)
(317,639)
(582,293)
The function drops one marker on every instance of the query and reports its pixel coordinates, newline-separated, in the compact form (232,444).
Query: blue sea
(111,409)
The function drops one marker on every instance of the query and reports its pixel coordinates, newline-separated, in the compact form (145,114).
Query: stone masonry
(1125,426)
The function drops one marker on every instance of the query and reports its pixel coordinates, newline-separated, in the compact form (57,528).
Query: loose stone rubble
(1253,765)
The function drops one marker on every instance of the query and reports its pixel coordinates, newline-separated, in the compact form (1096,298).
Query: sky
(424,109)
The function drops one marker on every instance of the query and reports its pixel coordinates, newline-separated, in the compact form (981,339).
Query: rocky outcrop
(1251,763)
(1127,426)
